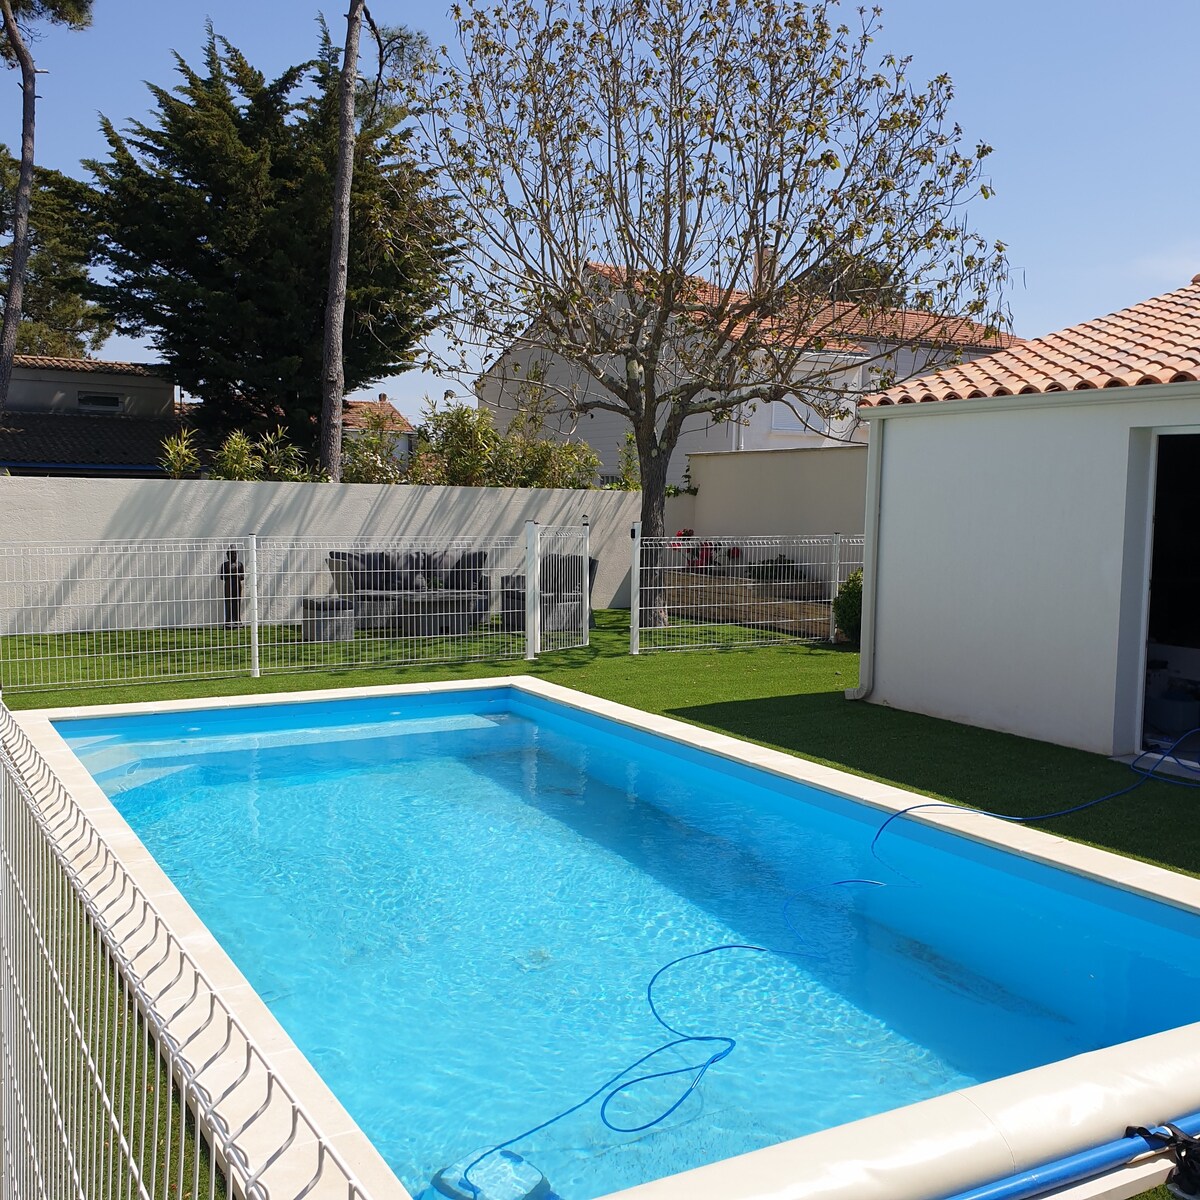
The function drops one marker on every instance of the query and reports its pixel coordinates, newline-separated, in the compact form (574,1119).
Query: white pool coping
(936,1147)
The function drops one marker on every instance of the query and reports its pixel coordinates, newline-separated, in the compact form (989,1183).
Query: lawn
(791,698)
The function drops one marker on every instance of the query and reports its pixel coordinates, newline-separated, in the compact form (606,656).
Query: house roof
(841,321)
(47,362)
(1156,341)
(359,413)
(81,440)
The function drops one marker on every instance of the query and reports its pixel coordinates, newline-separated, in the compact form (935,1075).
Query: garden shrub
(847,606)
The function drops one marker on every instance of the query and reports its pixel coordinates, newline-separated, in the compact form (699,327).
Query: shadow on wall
(82,511)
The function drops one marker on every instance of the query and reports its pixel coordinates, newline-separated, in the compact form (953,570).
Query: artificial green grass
(791,698)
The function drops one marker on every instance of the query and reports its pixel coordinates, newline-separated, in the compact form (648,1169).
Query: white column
(252,601)
(635,589)
(533,590)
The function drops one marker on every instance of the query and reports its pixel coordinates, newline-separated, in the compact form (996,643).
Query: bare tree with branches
(664,193)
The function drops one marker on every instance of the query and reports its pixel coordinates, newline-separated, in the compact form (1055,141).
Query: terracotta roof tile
(358,413)
(77,440)
(1154,342)
(46,362)
(839,323)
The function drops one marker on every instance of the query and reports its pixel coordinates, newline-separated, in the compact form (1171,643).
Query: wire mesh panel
(113,612)
(377,602)
(565,576)
(116,612)
(122,1073)
(694,592)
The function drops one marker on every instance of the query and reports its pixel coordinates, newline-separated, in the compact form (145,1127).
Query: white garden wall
(1008,569)
(817,490)
(91,510)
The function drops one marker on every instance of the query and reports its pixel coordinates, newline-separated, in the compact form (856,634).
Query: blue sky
(1091,105)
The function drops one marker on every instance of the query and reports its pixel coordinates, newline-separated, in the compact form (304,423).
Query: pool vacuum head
(500,1176)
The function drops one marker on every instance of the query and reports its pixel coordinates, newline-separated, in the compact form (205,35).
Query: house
(858,346)
(81,416)
(362,415)
(1017,508)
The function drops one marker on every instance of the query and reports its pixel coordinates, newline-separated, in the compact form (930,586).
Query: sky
(1091,107)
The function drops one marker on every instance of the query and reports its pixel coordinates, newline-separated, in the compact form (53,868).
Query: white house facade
(66,416)
(503,387)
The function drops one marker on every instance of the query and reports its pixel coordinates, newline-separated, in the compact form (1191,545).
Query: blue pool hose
(1087,1164)
(1030,1183)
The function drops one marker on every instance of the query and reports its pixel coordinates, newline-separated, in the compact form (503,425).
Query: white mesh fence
(116,612)
(122,1073)
(693,592)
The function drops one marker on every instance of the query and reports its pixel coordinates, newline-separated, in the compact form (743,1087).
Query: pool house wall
(1007,559)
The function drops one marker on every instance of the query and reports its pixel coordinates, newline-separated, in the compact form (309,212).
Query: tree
(461,446)
(215,231)
(17,15)
(661,191)
(333,375)
(56,317)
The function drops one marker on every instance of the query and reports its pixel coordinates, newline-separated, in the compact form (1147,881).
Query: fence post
(635,591)
(835,582)
(533,590)
(252,602)
(587,581)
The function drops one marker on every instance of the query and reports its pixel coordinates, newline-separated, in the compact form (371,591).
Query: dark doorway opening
(1172,709)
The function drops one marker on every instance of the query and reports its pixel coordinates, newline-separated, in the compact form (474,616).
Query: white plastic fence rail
(75,615)
(122,1073)
(692,592)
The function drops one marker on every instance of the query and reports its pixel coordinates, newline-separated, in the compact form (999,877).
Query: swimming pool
(460,941)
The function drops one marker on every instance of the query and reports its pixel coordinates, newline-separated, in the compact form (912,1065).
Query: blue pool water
(453,904)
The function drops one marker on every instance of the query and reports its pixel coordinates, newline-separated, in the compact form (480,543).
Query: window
(99,402)
(784,420)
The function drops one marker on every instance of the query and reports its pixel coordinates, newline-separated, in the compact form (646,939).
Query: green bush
(847,606)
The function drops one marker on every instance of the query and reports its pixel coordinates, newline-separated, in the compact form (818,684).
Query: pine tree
(56,316)
(215,232)
(15,19)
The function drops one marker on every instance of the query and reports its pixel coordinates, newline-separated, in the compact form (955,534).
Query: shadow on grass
(993,771)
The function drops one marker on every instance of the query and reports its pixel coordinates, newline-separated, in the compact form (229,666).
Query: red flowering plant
(696,552)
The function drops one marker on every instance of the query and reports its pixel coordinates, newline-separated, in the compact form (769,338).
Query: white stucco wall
(1011,559)
(44,390)
(79,511)
(819,490)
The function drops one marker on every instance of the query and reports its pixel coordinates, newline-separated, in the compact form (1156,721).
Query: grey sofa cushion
(467,572)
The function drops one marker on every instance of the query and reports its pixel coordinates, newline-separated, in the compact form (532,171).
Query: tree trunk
(20,229)
(652,462)
(333,376)
(653,466)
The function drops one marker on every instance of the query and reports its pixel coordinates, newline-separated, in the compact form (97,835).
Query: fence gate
(691,593)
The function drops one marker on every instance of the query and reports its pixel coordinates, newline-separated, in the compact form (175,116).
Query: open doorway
(1172,706)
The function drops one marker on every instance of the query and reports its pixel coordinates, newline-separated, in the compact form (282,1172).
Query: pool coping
(935,1147)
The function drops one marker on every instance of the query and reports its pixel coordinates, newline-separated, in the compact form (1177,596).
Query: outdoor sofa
(413,593)
(562,581)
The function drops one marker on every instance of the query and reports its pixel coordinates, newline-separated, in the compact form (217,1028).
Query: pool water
(453,904)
